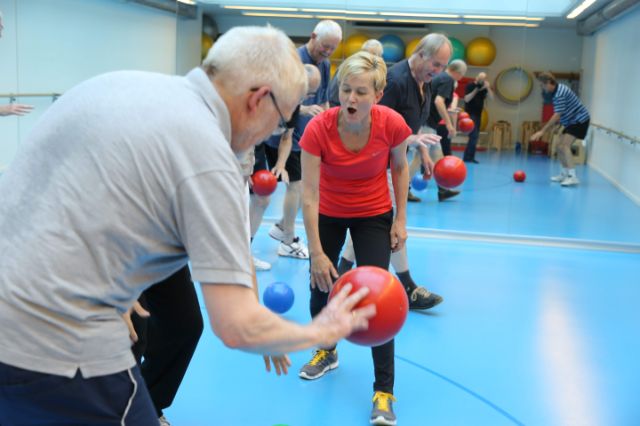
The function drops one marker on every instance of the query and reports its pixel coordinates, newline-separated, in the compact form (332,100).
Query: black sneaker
(382,411)
(422,299)
(474,161)
(321,362)
(445,194)
(412,198)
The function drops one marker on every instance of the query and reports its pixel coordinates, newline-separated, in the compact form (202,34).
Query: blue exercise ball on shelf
(278,297)
(418,183)
(393,48)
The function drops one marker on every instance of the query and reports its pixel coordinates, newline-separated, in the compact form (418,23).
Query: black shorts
(578,130)
(261,158)
(292,166)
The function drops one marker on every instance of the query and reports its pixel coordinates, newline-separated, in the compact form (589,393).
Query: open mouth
(351,110)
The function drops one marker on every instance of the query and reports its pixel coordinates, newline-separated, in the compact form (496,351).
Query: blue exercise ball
(278,297)
(393,48)
(418,183)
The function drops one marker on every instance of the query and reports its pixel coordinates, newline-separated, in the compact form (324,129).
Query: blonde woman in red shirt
(345,154)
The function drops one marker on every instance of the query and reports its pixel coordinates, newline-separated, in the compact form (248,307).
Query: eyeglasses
(283,121)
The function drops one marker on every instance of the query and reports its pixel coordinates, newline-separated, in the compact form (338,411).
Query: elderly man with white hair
(126,177)
(323,41)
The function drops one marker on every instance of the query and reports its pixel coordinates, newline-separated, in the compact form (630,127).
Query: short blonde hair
(247,57)
(365,62)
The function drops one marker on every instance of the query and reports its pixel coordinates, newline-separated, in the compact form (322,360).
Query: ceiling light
(510,18)
(420,15)
(581,8)
(277,15)
(275,9)
(348,12)
(502,24)
(424,21)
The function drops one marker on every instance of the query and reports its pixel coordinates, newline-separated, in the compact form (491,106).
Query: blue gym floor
(539,325)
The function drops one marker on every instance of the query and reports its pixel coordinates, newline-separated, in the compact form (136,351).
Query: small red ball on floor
(264,182)
(389,296)
(519,176)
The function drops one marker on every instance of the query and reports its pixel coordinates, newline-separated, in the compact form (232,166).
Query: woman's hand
(322,272)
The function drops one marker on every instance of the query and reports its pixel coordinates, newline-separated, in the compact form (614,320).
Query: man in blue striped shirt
(573,115)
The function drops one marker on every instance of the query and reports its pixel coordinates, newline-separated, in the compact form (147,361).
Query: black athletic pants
(371,243)
(168,338)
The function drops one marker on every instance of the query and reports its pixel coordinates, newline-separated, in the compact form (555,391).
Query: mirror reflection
(46,50)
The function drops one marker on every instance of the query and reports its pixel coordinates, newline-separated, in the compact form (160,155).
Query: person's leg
(372,242)
(175,327)
(445,142)
(258,203)
(32,398)
(414,166)
(284,230)
(564,153)
(470,150)
(438,152)
(332,233)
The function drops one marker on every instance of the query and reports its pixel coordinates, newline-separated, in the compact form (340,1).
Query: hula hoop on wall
(510,98)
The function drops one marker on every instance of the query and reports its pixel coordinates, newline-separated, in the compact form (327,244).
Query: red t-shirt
(354,184)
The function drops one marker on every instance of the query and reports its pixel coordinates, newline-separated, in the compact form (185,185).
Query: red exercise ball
(466,125)
(450,171)
(463,114)
(264,182)
(519,176)
(389,296)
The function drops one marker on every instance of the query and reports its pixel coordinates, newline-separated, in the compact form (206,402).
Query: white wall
(533,49)
(49,46)
(611,88)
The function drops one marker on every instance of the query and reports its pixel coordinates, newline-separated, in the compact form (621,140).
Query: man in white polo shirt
(126,177)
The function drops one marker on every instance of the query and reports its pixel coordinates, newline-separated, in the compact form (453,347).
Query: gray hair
(458,65)
(430,44)
(327,28)
(251,56)
(313,76)
(373,46)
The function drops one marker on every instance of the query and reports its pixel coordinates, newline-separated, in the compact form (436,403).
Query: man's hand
(536,136)
(338,319)
(311,110)
(15,109)
(138,309)
(280,362)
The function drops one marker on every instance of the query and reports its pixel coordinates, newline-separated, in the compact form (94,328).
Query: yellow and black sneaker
(382,412)
(321,362)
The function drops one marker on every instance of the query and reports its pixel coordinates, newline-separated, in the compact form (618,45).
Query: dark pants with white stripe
(372,245)
(31,398)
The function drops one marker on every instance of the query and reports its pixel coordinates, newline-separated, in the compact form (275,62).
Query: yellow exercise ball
(334,68)
(484,119)
(353,44)
(411,46)
(207,42)
(337,54)
(480,52)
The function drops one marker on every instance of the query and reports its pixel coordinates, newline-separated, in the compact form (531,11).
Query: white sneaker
(276,232)
(261,265)
(570,181)
(296,249)
(163,421)
(558,178)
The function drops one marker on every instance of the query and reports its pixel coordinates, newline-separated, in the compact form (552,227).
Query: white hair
(251,56)
(327,28)
(458,65)
(373,46)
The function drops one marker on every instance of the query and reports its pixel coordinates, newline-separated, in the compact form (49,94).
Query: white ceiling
(554,11)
